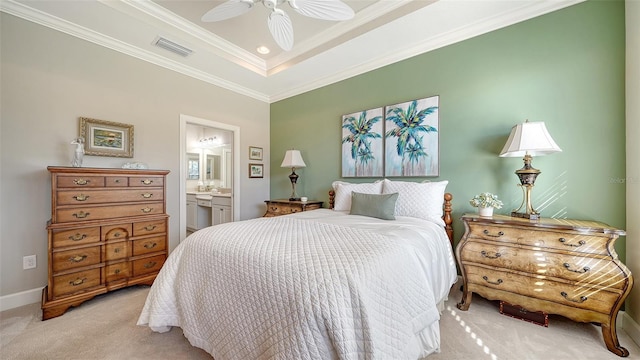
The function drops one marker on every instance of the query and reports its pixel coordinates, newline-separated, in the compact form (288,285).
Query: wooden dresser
(557,266)
(284,207)
(108,230)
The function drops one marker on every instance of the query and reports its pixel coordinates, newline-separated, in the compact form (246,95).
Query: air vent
(173,47)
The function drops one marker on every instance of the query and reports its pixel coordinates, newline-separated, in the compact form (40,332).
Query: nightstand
(557,266)
(284,207)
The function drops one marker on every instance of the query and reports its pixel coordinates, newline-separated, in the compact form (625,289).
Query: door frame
(235,195)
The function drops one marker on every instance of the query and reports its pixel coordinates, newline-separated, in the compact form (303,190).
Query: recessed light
(263,50)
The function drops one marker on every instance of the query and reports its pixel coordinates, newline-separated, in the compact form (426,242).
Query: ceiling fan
(279,22)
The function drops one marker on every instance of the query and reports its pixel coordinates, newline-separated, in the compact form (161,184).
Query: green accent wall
(565,68)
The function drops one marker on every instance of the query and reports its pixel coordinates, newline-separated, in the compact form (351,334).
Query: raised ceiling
(224,53)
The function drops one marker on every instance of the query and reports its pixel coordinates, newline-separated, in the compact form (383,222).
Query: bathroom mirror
(193,166)
(212,167)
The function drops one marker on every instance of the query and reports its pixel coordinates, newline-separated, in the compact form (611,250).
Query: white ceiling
(224,53)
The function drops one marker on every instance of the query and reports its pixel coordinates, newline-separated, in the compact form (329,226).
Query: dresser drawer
(75,282)
(116,250)
(117,271)
(80,181)
(88,197)
(149,227)
(108,212)
(69,259)
(580,269)
(76,236)
(116,181)
(281,209)
(116,232)
(584,296)
(149,245)
(146,181)
(565,240)
(148,265)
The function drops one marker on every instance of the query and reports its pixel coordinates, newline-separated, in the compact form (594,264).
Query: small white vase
(485,211)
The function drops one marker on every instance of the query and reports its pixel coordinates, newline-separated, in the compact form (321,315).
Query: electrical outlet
(29,262)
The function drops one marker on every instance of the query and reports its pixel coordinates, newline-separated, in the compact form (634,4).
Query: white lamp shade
(293,159)
(530,138)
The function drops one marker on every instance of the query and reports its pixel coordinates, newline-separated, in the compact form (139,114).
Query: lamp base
(525,216)
(294,199)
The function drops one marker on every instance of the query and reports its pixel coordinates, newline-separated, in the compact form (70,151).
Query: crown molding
(216,44)
(498,21)
(53,22)
(428,44)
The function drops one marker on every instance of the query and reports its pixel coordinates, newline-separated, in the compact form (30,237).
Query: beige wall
(633,154)
(49,80)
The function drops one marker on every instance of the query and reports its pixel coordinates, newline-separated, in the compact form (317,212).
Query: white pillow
(420,200)
(343,190)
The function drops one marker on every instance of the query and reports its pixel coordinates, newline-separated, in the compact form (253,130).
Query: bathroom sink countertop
(208,193)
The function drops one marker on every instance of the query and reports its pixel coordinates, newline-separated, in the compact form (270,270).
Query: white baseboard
(629,326)
(20,299)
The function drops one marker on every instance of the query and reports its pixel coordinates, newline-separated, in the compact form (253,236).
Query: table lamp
(293,160)
(528,139)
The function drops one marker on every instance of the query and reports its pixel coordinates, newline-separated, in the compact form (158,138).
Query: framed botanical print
(411,138)
(362,144)
(256,170)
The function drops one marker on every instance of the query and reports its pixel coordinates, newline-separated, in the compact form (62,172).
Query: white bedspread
(314,285)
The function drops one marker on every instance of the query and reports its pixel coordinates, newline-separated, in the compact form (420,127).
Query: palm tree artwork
(411,138)
(362,146)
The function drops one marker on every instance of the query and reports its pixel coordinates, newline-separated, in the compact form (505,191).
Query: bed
(322,284)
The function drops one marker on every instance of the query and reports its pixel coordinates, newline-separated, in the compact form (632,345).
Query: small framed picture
(255,153)
(256,170)
(106,138)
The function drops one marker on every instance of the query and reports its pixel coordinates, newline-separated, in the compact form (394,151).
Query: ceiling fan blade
(323,9)
(281,29)
(228,10)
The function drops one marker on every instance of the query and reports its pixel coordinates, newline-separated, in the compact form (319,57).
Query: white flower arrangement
(486,200)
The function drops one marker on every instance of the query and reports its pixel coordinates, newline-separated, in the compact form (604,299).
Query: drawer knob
(149,227)
(497,282)
(579,301)
(150,245)
(485,254)
(80,181)
(117,181)
(81,215)
(146,210)
(564,242)
(81,197)
(147,181)
(150,264)
(77,258)
(77,282)
(77,237)
(117,271)
(486,232)
(116,250)
(146,195)
(116,234)
(579,271)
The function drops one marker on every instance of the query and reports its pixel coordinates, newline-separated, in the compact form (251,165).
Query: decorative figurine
(79,152)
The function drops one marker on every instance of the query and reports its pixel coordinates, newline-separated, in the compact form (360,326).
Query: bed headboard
(446,207)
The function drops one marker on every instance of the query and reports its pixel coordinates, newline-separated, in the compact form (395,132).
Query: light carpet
(105,328)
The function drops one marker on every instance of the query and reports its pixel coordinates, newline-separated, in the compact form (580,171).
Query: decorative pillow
(343,190)
(374,205)
(420,200)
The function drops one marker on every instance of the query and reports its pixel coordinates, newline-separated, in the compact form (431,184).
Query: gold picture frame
(106,138)
(255,153)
